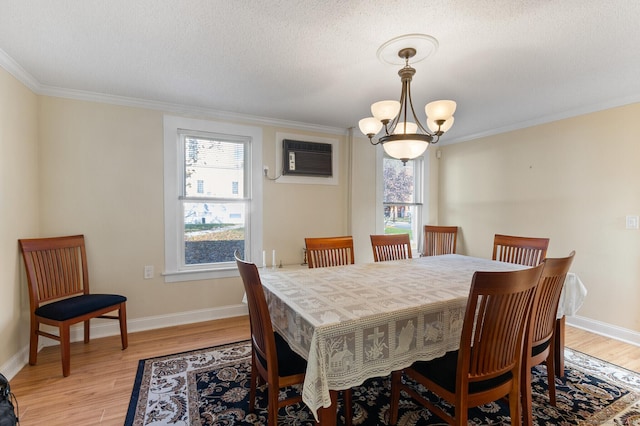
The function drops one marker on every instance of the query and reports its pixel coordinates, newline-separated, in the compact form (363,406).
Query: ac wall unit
(301,158)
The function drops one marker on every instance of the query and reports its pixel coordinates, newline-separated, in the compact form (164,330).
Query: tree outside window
(401,200)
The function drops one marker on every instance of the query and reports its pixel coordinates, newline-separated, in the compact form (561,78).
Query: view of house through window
(214,198)
(401,197)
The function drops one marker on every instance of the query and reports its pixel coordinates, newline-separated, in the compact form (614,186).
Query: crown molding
(583,110)
(13,68)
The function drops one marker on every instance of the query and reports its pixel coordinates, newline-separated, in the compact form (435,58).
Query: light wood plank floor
(99,388)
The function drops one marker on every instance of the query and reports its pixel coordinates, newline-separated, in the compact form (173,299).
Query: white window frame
(174,271)
(421,194)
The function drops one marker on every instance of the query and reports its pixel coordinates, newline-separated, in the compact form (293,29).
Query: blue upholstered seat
(76,306)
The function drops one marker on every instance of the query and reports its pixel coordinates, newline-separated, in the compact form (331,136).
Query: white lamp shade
(385,110)
(405,127)
(369,126)
(440,110)
(445,126)
(405,149)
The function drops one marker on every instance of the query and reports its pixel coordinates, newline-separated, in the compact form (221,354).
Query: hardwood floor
(98,390)
(616,352)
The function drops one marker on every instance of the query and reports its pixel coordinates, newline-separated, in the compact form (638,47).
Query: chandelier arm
(413,111)
(372,142)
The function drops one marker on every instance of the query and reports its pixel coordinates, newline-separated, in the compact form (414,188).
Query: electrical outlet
(148,272)
(633,222)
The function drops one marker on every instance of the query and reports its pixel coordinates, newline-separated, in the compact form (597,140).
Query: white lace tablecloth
(573,294)
(360,321)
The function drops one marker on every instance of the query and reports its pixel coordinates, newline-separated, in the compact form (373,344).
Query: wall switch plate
(633,222)
(148,272)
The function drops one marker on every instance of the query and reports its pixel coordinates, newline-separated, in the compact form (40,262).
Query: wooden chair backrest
(329,251)
(56,268)
(390,247)
(440,240)
(543,319)
(495,322)
(262,336)
(526,251)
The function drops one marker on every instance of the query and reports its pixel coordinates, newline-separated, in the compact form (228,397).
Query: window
(402,198)
(213,197)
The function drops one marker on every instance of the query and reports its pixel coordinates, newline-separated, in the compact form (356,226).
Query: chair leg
(514,407)
(551,376)
(87,327)
(525,394)
(33,343)
(558,336)
(396,380)
(348,407)
(65,349)
(122,314)
(254,383)
(273,407)
(461,413)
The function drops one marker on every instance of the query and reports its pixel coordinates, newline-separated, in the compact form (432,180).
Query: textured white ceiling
(507,63)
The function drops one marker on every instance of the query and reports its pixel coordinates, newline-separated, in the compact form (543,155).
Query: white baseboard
(604,329)
(111,328)
(15,363)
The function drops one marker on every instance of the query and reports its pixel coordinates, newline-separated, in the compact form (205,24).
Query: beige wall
(573,181)
(18,207)
(102,176)
(293,211)
(97,169)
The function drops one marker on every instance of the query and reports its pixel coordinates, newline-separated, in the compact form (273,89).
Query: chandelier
(404,137)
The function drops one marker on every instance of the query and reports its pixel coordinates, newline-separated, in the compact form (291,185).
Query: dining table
(365,320)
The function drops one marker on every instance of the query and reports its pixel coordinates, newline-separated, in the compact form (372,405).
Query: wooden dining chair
(439,240)
(528,251)
(488,364)
(390,247)
(540,340)
(272,359)
(329,251)
(59,295)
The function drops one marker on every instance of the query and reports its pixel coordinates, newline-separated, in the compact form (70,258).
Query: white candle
(273,260)
(264,259)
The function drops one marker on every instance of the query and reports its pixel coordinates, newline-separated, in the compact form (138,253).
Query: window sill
(201,274)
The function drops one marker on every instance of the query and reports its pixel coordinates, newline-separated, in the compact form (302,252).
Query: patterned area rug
(211,387)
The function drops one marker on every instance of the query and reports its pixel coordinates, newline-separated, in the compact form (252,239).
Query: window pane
(399,181)
(213,168)
(213,231)
(402,201)
(399,219)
